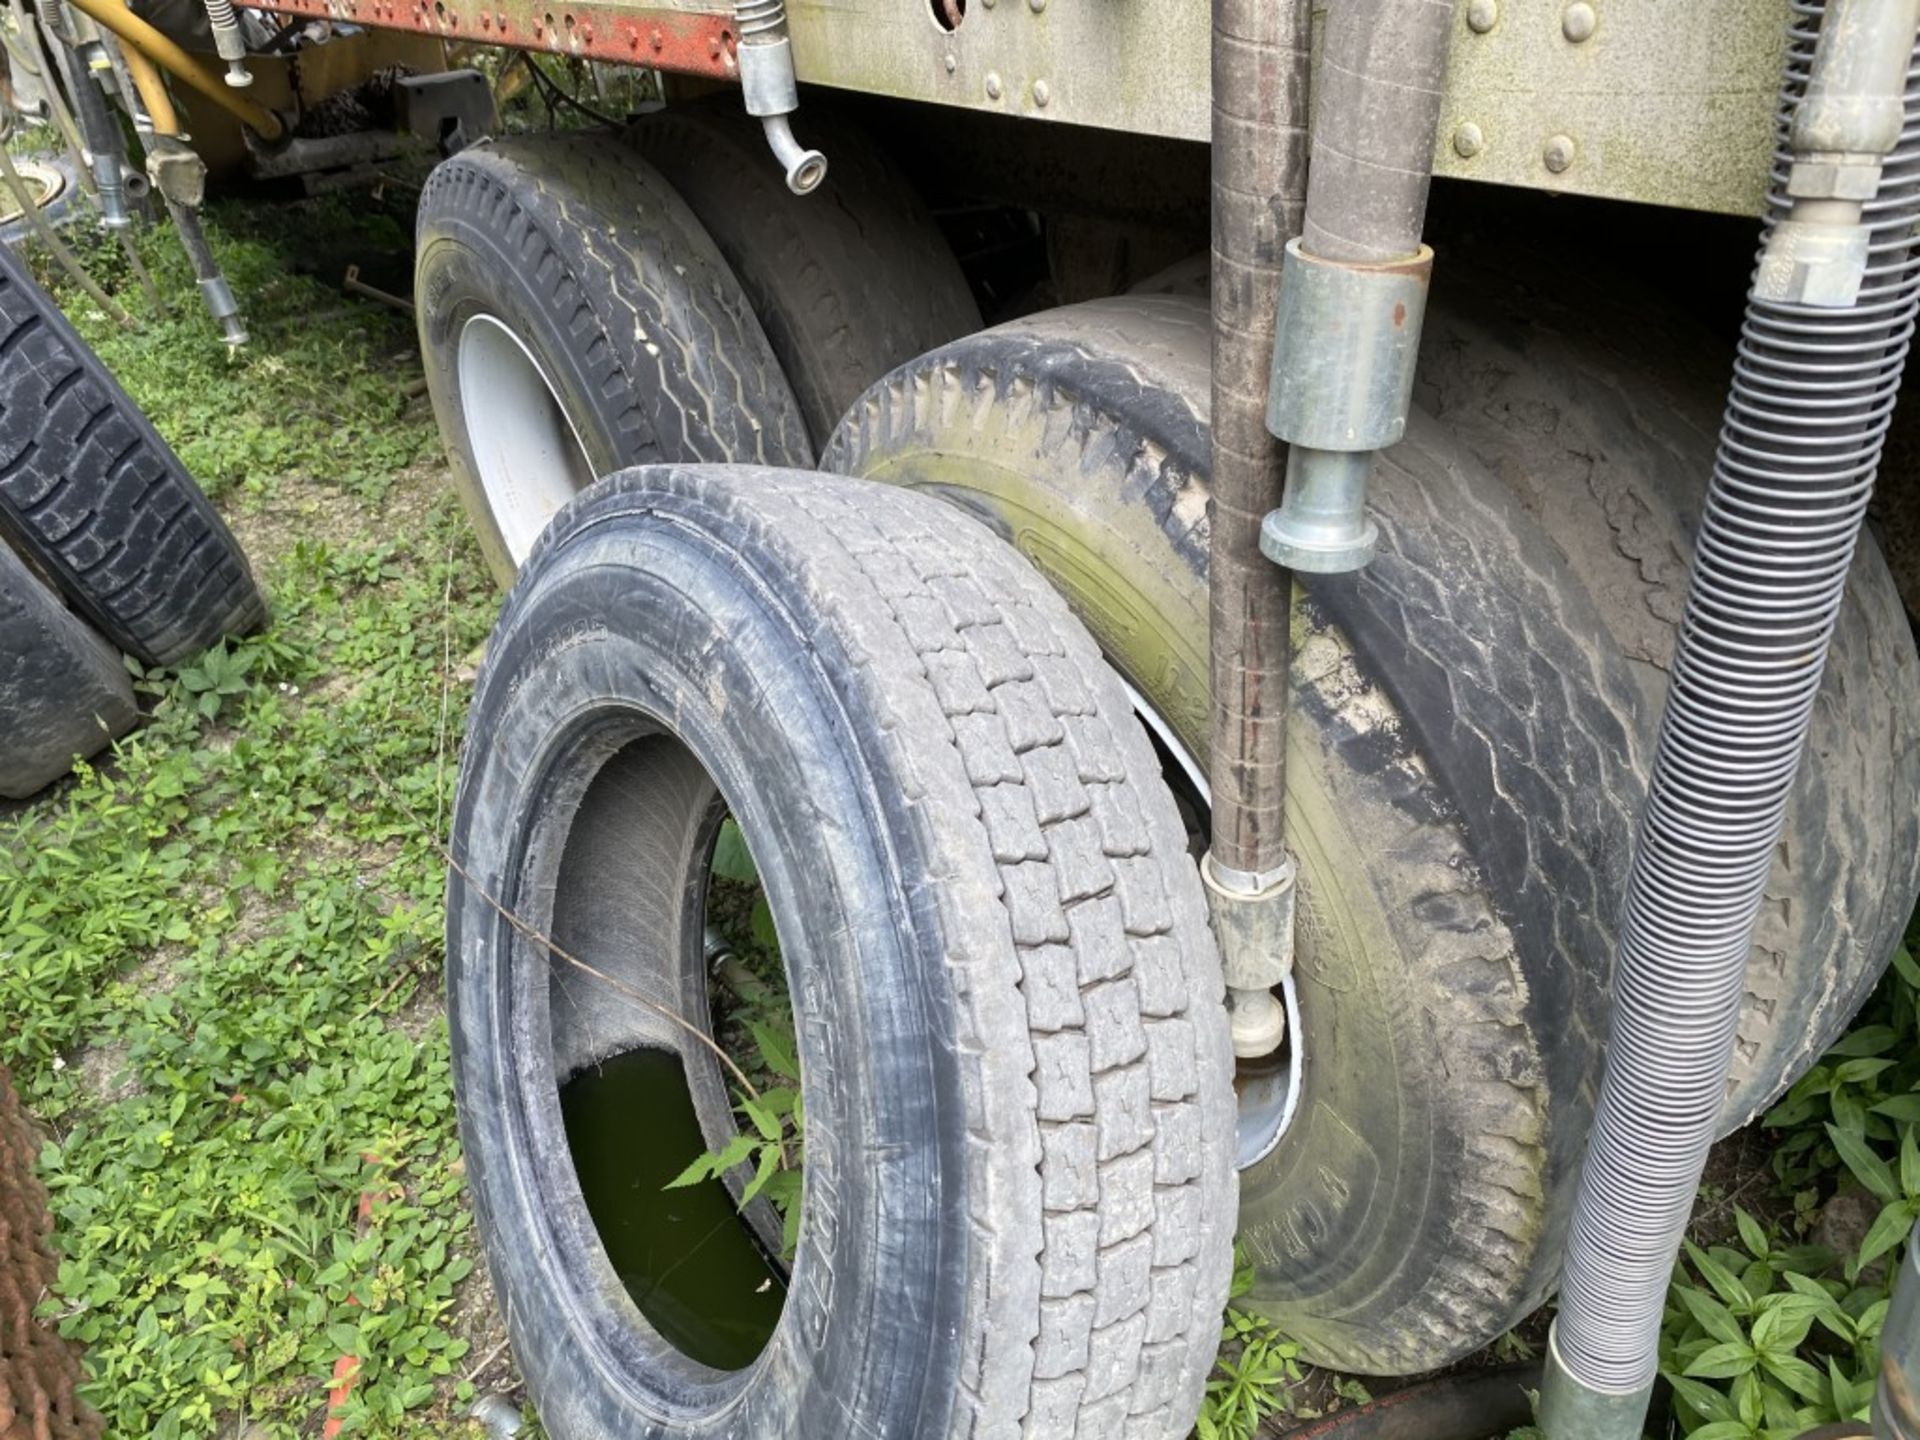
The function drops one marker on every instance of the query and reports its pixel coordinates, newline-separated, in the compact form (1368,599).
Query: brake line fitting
(771,92)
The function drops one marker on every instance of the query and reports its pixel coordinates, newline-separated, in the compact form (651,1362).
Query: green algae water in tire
(575,318)
(1465,765)
(1018,1189)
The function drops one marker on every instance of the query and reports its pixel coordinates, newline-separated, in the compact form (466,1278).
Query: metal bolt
(1559,153)
(1041,94)
(993,85)
(1483,15)
(952,64)
(1578,22)
(1036,5)
(1467,140)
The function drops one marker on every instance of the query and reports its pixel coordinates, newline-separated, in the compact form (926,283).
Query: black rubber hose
(1259,187)
(1377,104)
(1477,1405)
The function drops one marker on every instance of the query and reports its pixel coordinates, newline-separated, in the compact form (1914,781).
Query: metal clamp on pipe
(1253,918)
(1345,342)
(767,81)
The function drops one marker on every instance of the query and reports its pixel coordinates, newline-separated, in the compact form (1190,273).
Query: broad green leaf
(1867,1167)
(731,859)
(1889,1228)
(776,1050)
(1714,1318)
(1752,1235)
(1723,1362)
(1704,1400)
(769,1164)
(1725,1283)
(1796,1374)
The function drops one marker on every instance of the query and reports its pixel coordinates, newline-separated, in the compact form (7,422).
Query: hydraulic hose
(1813,389)
(1259,187)
(1383,69)
(153,91)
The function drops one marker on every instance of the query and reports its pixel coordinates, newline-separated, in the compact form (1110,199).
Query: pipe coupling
(1253,922)
(1344,345)
(1345,342)
(1570,1409)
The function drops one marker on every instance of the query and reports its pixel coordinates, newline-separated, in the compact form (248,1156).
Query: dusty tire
(849,281)
(639,337)
(1019,1192)
(1605,431)
(63,691)
(99,501)
(1464,775)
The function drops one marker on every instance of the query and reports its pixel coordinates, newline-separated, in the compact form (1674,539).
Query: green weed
(222,942)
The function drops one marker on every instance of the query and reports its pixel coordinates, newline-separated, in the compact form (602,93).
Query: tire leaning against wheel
(570,255)
(1019,1195)
(849,281)
(99,501)
(1464,771)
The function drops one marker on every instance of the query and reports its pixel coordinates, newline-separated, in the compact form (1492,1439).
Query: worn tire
(606,278)
(99,502)
(1604,428)
(1019,1188)
(849,281)
(63,691)
(1464,774)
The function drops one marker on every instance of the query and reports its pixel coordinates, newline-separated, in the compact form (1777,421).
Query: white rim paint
(1267,1102)
(528,454)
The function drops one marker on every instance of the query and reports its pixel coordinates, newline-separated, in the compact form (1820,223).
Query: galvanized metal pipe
(1814,386)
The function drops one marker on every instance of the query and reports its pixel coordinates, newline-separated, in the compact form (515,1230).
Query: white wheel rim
(1267,1101)
(528,455)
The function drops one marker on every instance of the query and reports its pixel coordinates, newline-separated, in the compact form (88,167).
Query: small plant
(1255,1368)
(1768,1337)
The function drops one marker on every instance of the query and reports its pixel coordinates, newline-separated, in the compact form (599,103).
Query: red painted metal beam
(687,42)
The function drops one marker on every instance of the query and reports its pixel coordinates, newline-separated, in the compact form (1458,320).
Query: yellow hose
(153,91)
(136,35)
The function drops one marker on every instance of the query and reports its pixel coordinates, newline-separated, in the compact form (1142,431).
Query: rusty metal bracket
(687,42)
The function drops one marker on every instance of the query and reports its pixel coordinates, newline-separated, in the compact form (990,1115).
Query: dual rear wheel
(1473,720)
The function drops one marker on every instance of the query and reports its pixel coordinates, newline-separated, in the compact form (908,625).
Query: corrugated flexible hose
(1812,394)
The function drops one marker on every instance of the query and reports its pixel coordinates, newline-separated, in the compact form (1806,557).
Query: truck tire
(99,502)
(849,281)
(562,280)
(1019,1195)
(1602,419)
(63,691)
(1464,776)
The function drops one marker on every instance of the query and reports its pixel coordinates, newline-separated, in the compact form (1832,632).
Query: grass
(222,951)
(223,944)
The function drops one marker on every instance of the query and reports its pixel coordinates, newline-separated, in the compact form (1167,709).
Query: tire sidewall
(596,626)
(463,272)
